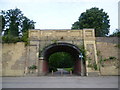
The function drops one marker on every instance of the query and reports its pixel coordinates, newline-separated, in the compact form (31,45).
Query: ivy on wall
(93,65)
(112,59)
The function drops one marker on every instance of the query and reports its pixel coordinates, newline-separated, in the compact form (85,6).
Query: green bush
(12,39)
(95,66)
(33,67)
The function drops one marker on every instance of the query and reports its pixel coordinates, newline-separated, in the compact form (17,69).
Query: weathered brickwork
(44,38)
(108,47)
(13,59)
(17,58)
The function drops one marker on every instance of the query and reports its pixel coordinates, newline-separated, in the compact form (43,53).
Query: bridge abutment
(43,38)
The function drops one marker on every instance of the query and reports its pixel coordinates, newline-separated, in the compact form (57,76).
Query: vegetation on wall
(102,61)
(32,68)
(83,51)
(93,65)
(12,39)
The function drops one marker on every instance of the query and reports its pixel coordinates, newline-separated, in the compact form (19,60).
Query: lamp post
(81,56)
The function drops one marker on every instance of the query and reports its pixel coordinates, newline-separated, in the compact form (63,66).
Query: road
(60,82)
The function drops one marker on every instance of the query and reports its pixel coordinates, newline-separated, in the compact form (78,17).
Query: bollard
(70,72)
(52,72)
(61,72)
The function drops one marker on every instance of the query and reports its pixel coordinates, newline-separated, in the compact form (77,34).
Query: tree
(94,18)
(3,22)
(27,24)
(116,33)
(60,60)
(15,22)
(13,19)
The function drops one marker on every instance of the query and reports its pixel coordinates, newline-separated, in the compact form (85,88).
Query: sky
(61,14)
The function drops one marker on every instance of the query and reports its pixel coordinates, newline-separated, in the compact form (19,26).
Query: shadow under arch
(61,47)
(72,49)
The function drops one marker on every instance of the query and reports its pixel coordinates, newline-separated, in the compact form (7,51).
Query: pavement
(60,82)
(60,72)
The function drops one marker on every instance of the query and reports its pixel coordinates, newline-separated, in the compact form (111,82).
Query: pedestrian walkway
(61,72)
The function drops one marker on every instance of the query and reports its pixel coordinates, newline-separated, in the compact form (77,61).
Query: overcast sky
(61,14)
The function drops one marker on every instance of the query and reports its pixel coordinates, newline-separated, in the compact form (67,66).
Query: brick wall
(107,47)
(13,59)
(14,56)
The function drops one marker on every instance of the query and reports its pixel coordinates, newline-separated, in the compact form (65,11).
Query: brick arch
(62,47)
(40,38)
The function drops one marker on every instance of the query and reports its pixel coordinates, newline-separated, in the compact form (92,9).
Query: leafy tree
(15,22)
(61,60)
(13,19)
(116,33)
(94,18)
(3,22)
(27,24)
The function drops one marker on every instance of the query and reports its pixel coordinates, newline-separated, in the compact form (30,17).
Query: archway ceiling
(73,50)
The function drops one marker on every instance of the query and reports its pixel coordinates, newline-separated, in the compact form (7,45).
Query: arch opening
(71,49)
(61,61)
